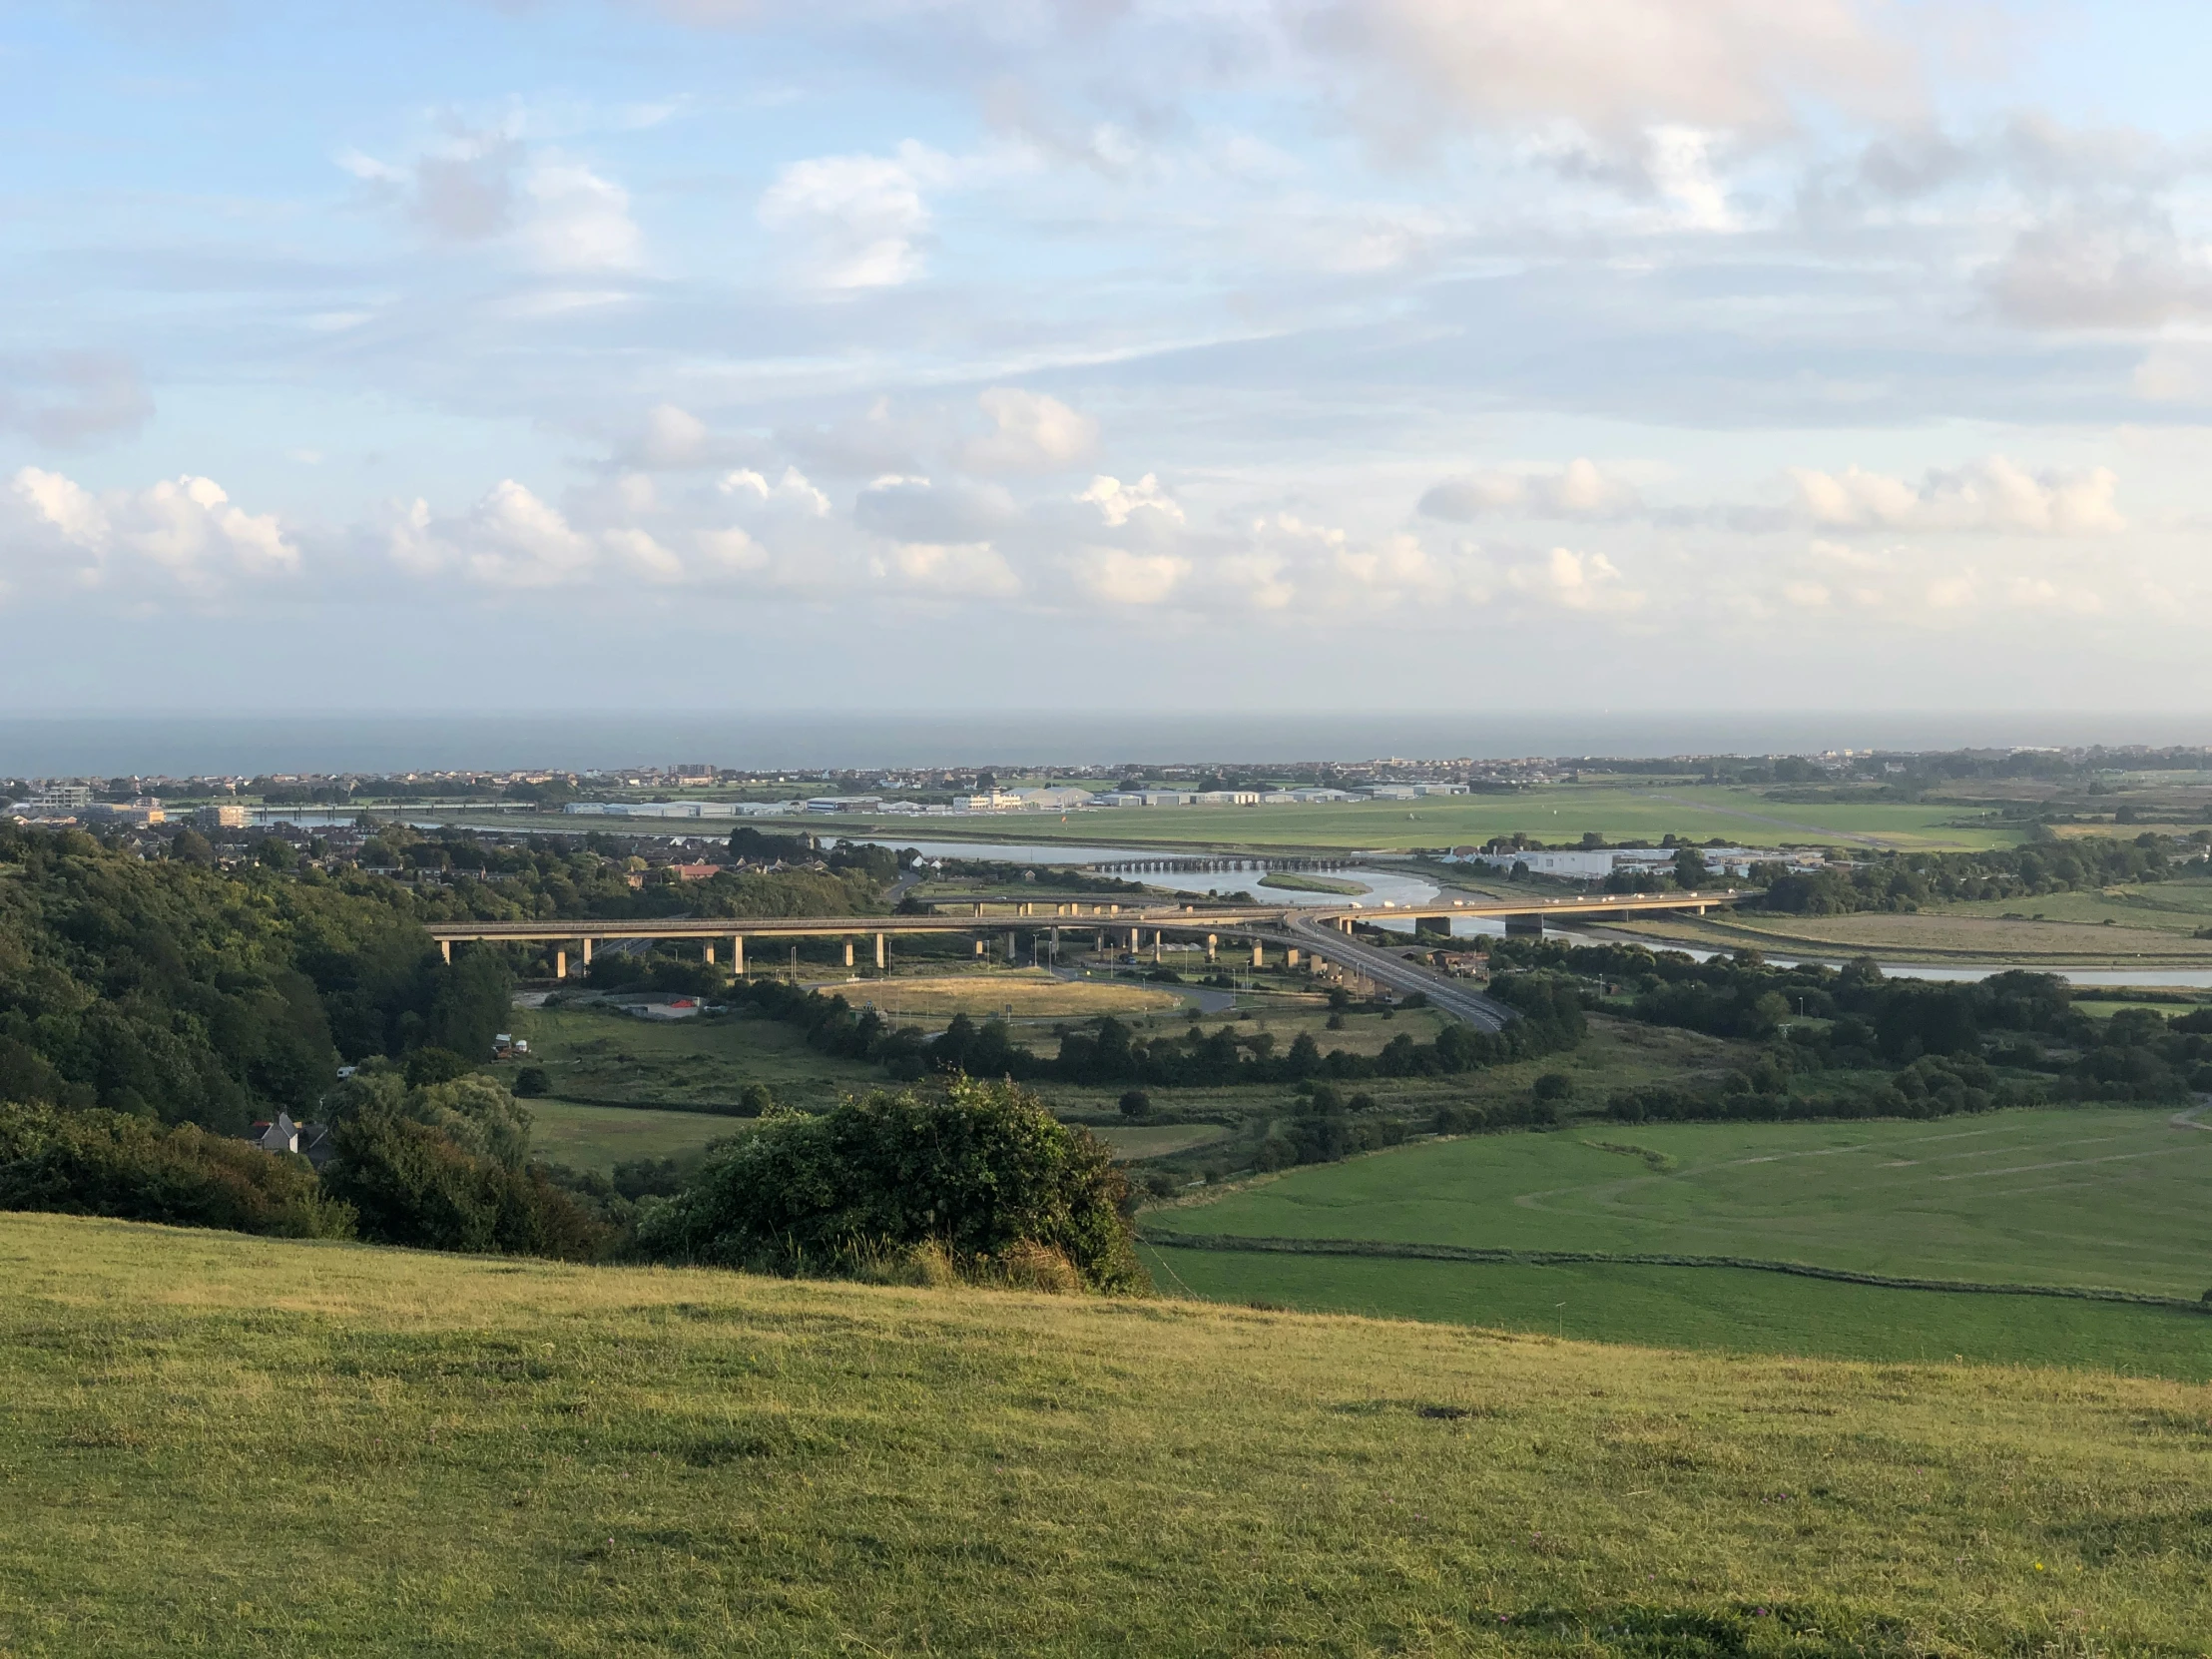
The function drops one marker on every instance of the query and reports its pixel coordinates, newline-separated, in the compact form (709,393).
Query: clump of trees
(1830,1035)
(1904,882)
(980,1172)
(97,1163)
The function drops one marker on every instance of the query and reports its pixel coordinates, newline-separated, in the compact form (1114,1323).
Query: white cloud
(1986,495)
(563,216)
(578,220)
(1680,160)
(957,570)
(857,222)
(1574,581)
(186,528)
(1615,68)
(509,539)
(790,491)
(1116,501)
(1031,433)
(1580,491)
(1119,577)
(919,510)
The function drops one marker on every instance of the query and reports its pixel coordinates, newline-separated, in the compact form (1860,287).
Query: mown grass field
(600,1137)
(1021,994)
(2111,1196)
(227,1445)
(1718,1310)
(1960,934)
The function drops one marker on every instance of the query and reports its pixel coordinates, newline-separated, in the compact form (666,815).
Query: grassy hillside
(2107,1195)
(221,1444)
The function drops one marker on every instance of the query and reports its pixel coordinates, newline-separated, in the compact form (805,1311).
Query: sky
(916,356)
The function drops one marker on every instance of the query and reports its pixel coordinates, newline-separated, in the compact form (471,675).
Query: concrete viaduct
(1298,927)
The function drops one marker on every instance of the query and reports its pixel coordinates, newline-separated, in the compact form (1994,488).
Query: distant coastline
(177,746)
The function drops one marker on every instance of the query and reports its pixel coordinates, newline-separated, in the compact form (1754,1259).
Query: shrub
(412,1183)
(434,1065)
(532,1083)
(1553,1086)
(109,1164)
(1136,1104)
(981,1169)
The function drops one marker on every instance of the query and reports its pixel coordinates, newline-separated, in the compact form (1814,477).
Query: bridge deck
(1240,918)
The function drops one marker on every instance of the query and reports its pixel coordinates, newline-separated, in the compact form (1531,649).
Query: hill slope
(229,1445)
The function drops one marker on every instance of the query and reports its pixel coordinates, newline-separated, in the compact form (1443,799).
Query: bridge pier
(587,952)
(1290,957)
(706,952)
(445,949)
(1259,956)
(882,953)
(736,954)
(560,964)
(1213,947)
(848,950)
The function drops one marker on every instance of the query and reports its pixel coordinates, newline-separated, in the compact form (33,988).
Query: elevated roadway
(1325,927)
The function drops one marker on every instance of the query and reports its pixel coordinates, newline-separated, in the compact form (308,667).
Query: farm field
(490,1457)
(1617,1054)
(1932,936)
(1724,1310)
(1140,1140)
(2105,1197)
(600,1137)
(1021,994)
(1562,812)
(596,1054)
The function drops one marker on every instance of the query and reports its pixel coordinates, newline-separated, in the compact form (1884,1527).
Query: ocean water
(185,745)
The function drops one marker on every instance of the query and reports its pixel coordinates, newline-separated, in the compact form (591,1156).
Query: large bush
(980,1169)
(106,1163)
(445,1166)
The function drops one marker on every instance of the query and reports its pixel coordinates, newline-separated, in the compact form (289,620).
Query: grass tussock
(226,1444)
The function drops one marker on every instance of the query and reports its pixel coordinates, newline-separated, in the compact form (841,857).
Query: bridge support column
(587,953)
(882,953)
(1010,950)
(1259,956)
(560,964)
(445,949)
(706,953)
(849,951)
(1155,950)
(1290,957)
(736,954)
(1213,947)
(980,947)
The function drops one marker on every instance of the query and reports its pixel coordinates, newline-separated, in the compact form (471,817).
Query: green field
(2152,923)
(221,1444)
(1561,814)
(1619,811)
(596,1054)
(2111,1196)
(1724,1310)
(600,1137)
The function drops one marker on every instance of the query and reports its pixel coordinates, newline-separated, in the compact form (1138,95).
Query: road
(1453,996)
